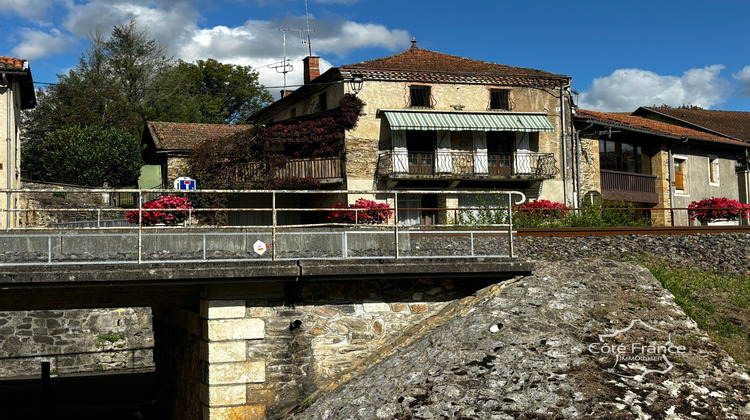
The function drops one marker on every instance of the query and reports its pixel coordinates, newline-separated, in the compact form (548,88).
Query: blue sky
(620,54)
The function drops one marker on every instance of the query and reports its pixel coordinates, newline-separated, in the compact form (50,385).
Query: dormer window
(500,99)
(419,96)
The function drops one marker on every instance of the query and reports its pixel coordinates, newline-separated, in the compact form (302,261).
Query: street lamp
(356,84)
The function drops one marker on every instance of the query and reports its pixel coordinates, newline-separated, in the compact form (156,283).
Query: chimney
(312,68)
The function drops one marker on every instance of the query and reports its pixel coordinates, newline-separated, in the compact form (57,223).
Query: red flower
(152,214)
(544,208)
(362,211)
(714,208)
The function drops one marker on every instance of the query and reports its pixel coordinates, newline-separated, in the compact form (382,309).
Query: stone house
(16,94)
(169,144)
(655,163)
(439,122)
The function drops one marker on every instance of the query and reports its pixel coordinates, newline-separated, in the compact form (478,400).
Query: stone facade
(589,164)
(75,341)
(261,356)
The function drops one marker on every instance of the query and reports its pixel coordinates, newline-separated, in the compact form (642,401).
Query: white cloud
(30,9)
(353,35)
(258,43)
(627,89)
(37,44)
(167,21)
(744,77)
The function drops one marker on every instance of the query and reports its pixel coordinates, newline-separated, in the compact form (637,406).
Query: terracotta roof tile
(425,65)
(11,64)
(187,136)
(730,123)
(652,126)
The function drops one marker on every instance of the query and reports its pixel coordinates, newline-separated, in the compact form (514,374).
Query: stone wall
(726,252)
(265,354)
(75,341)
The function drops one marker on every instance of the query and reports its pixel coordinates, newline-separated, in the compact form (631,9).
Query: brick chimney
(312,68)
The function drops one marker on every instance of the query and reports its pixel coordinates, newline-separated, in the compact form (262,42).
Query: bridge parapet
(265,225)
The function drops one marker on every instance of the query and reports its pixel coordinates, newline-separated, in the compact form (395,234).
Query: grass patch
(717,302)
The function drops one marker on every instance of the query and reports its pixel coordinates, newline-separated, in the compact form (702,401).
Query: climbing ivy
(249,158)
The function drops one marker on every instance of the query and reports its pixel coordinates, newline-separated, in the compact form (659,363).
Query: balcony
(466,165)
(298,171)
(626,186)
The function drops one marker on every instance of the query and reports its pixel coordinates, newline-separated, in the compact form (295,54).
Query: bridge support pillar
(223,353)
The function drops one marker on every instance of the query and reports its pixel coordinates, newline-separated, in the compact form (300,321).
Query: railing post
(140,226)
(344,244)
(204,247)
(273,227)
(49,249)
(395,221)
(510,225)
(99,218)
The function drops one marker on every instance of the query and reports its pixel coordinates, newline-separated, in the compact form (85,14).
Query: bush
(714,208)
(153,214)
(539,213)
(363,211)
(84,156)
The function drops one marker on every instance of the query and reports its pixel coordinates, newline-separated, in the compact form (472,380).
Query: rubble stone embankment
(521,349)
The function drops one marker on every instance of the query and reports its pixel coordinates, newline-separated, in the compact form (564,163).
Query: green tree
(210,92)
(112,85)
(85,156)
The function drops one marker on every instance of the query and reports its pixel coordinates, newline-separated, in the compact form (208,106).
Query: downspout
(8,157)
(563,147)
(670,159)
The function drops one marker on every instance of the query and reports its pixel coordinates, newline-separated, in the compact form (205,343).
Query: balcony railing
(626,186)
(320,169)
(466,164)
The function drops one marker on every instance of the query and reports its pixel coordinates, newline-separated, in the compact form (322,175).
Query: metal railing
(467,163)
(257,225)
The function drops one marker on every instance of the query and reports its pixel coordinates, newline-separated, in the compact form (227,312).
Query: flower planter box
(720,222)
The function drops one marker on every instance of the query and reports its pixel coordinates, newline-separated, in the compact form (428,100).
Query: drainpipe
(671,183)
(562,137)
(8,158)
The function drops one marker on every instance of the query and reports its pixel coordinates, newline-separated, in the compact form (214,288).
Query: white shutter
(444,158)
(400,152)
(480,152)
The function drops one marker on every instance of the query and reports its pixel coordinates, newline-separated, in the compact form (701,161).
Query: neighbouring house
(732,124)
(655,163)
(16,94)
(169,144)
(439,122)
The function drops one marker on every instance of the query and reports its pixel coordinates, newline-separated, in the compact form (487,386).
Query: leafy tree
(85,156)
(125,79)
(211,92)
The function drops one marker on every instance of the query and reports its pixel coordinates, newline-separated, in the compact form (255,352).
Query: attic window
(500,99)
(293,112)
(419,96)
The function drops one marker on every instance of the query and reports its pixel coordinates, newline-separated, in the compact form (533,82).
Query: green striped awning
(460,121)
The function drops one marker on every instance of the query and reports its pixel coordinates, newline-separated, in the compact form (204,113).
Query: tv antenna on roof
(284,66)
(308,30)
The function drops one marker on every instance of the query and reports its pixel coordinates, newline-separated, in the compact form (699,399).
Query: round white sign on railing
(260,247)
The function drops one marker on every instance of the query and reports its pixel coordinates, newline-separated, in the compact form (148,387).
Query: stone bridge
(250,339)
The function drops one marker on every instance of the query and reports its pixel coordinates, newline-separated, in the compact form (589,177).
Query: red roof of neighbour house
(651,126)
(11,64)
(19,70)
(417,64)
(188,136)
(729,123)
